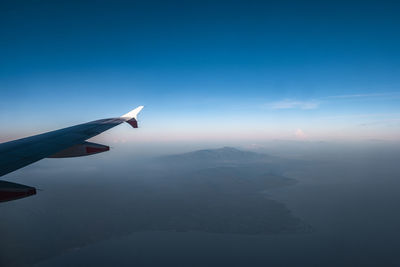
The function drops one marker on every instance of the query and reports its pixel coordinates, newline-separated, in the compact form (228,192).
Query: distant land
(214,191)
(221,191)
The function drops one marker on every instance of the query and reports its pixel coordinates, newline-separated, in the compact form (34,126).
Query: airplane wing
(66,142)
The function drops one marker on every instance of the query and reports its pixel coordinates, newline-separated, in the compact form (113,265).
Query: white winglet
(132,114)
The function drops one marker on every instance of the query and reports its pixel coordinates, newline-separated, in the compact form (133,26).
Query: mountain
(220,154)
(206,158)
(222,170)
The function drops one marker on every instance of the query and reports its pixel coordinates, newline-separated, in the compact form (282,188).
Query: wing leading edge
(22,152)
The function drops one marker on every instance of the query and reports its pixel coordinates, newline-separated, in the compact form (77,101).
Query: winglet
(131,116)
(133,113)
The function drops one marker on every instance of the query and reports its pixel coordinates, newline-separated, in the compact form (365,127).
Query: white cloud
(293,104)
(300,134)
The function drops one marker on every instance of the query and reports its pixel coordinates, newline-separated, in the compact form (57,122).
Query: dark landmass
(207,158)
(215,191)
(215,157)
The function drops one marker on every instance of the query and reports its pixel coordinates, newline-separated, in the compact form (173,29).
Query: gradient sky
(205,70)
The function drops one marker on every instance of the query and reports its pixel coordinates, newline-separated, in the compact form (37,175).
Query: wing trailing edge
(79,150)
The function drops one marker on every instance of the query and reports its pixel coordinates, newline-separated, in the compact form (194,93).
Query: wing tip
(133,113)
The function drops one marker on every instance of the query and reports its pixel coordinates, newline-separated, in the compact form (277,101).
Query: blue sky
(205,70)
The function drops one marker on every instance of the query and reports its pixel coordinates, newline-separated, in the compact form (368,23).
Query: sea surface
(348,197)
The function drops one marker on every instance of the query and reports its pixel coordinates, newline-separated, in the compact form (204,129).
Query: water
(349,197)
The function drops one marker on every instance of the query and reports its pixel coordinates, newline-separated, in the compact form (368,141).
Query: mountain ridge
(224,154)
